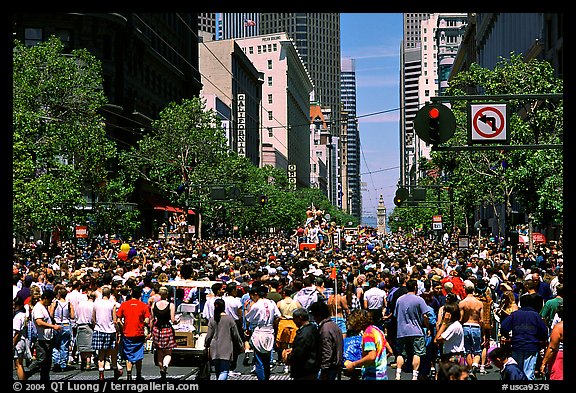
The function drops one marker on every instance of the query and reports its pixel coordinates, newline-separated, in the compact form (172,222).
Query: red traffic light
(434,113)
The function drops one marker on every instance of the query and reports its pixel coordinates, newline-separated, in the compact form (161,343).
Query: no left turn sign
(488,123)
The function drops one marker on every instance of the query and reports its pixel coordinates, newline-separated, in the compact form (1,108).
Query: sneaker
(246,361)
(286,369)
(234,373)
(483,370)
(472,375)
(107,365)
(253,370)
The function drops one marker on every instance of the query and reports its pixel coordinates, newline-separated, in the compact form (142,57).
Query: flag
(249,22)
(333,273)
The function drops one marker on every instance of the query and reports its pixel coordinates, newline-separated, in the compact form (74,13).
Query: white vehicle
(190,330)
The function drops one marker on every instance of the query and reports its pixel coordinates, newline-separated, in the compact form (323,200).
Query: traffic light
(401,195)
(262,200)
(434,123)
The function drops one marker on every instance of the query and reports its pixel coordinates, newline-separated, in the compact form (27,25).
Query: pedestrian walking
(375,347)
(20,342)
(303,357)
(63,313)
(262,315)
(410,312)
(331,342)
(472,319)
(45,328)
(85,329)
(133,315)
(529,335)
(553,361)
(509,368)
(163,316)
(222,340)
(105,333)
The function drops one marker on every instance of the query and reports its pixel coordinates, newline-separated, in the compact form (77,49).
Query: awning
(159,203)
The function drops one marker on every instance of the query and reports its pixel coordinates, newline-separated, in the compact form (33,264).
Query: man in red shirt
(133,315)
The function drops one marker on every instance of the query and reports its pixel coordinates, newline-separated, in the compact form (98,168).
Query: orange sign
(82,231)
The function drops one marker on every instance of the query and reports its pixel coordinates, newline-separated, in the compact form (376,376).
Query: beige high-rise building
(285,115)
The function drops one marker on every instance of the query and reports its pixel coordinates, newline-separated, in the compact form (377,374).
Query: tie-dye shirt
(373,340)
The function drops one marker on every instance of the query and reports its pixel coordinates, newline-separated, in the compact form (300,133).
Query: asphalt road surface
(185,368)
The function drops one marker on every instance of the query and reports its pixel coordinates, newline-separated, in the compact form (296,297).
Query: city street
(186,369)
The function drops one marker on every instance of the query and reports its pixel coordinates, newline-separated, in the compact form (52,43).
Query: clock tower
(381,214)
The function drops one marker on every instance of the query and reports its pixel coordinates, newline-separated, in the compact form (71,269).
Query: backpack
(146,295)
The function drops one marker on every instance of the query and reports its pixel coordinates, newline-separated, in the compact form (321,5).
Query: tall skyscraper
(348,99)
(285,103)
(207,26)
(317,39)
(410,71)
(238,25)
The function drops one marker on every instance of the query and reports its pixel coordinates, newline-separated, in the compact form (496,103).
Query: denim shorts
(341,322)
(472,339)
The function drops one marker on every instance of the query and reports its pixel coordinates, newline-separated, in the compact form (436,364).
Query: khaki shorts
(416,343)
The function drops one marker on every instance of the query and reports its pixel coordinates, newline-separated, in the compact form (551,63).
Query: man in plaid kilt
(104,336)
(135,315)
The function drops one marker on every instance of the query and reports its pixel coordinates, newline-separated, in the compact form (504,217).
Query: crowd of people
(349,308)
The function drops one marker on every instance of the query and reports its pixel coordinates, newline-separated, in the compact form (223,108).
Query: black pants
(43,361)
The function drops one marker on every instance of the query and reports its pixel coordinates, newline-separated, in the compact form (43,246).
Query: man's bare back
(470,310)
(337,305)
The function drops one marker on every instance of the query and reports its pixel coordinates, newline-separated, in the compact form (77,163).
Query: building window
(251,50)
(32,36)
(259,50)
(269,81)
(426,93)
(275,47)
(270,116)
(269,98)
(270,132)
(269,64)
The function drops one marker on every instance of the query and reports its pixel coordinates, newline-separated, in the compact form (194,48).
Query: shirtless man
(338,307)
(471,319)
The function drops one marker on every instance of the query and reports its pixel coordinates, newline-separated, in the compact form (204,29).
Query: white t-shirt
(104,319)
(375,298)
(263,313)
(454,336)
(233,306)
(84,311)
(18,323)
(41,312)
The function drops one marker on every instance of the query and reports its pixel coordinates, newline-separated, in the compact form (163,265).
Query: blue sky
(374,39)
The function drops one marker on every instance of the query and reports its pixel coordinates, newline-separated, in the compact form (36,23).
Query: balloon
(370,247)
(123,255)
(125,247)
(132,253)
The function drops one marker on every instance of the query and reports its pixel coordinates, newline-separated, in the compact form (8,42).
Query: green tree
(60,149)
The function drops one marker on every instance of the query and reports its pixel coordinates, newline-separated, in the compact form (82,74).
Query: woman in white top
(451,335)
